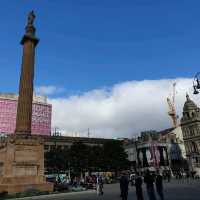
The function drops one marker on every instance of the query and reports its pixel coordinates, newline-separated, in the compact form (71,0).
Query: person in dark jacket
(124,182)
(159,185)
(168,176)
(138,187)
(149,180)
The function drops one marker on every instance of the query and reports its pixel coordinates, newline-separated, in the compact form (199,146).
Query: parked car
(60,183)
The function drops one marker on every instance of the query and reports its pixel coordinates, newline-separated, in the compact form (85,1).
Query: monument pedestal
(22,164)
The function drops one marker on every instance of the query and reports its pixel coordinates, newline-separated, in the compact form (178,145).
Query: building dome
(189,105)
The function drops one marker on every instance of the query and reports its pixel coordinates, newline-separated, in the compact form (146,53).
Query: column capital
(27,37)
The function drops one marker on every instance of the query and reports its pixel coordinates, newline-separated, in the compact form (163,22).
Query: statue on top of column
(30,29)
(31,18)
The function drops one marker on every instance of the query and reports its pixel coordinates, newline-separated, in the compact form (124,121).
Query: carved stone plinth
(22,164)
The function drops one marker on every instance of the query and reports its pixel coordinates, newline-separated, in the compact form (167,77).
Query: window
(46,147)
(194,147)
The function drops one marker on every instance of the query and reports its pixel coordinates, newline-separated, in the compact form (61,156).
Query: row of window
(11,105)
(192,147)
(11,120)
(14,107)
(191,131)
(6,111)
(40,120)
(50,147)
(41,108)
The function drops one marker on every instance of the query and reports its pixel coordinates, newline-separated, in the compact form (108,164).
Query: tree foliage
(56,159)
(81,157)
(115,158)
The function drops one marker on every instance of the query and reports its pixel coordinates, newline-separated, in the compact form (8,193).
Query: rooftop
(13,96)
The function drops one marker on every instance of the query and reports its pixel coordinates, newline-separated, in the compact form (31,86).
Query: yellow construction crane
(172,109)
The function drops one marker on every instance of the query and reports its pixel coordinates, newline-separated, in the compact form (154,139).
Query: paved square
(175,190)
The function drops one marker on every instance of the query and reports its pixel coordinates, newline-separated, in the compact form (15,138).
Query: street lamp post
(196,83)
(196,86)
(69,172)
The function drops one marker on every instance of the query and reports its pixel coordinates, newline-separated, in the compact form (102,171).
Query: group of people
(149,179)
(185,175)
(94,181)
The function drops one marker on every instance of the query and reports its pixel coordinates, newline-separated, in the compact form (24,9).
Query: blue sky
(89,44)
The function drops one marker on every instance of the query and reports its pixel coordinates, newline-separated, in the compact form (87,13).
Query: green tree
(96,158)
(56,160)
(79,157)
(115,157)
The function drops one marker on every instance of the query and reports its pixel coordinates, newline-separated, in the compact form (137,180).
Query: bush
(3,194)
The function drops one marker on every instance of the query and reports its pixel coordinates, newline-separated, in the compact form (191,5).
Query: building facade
(131,150)
(41,116)
(151,152)
(164,150)
(148,152)
(173,137)
(190,124)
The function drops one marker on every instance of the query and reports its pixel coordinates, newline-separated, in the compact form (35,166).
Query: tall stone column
(24,108)
(22,154)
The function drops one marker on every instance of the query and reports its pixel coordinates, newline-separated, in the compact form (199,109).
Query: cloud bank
(123,110)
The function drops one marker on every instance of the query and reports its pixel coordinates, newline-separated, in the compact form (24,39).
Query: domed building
(190,124)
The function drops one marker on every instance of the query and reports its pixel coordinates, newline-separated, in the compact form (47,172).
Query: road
(176,190)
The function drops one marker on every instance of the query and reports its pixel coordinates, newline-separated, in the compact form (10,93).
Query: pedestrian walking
(168,176)
(187,176)
(149,180)
(99,185)
(138,187)
(159,185)
(124,182)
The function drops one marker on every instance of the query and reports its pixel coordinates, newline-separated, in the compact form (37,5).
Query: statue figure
(31,18)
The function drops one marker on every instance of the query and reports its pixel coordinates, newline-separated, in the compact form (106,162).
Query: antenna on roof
(88,132)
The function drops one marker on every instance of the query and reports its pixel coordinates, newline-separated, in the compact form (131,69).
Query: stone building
(190,124)
(152,152)
(152,149)
(173,137)
(131,150)
(148,152)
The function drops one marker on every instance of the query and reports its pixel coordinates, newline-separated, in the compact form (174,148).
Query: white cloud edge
(48,90)
(123,110)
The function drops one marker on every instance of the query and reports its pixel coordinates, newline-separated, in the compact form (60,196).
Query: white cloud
(121,111)
(48,90)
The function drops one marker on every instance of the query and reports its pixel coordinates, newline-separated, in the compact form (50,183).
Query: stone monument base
(22,164)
